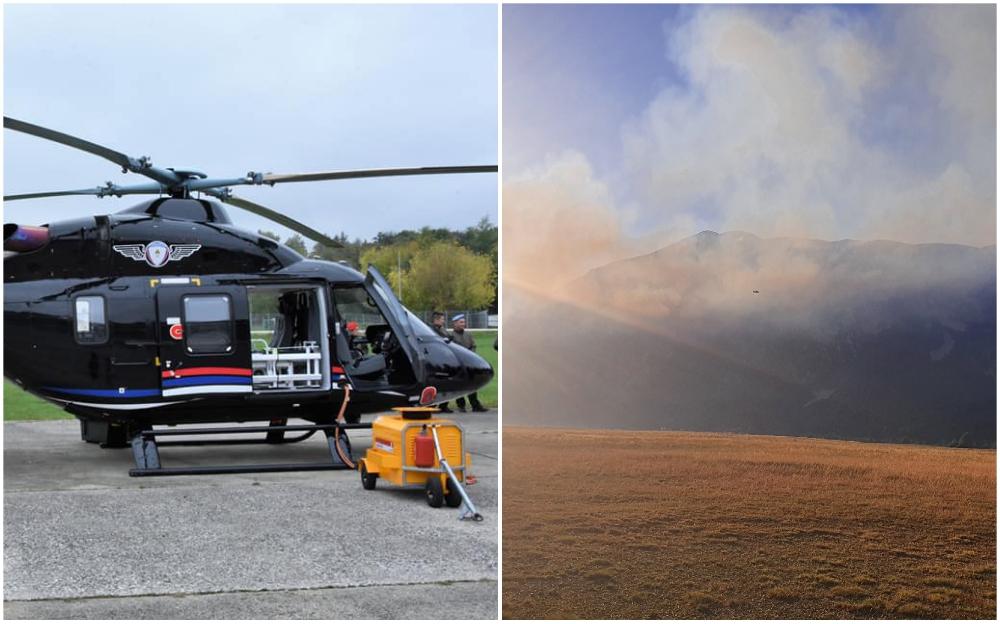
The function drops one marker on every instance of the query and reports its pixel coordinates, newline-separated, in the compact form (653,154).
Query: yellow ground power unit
(414,449)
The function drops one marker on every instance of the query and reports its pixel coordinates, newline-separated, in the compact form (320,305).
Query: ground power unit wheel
(434,492)
(367,478)
(452,498)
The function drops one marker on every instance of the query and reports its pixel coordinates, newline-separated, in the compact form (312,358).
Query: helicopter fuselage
(167,313)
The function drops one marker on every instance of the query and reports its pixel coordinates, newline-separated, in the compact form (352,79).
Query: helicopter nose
(478,371)
(452,368)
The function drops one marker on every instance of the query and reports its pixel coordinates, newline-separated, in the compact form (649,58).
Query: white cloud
(774,134)
(777,133)
(558,221)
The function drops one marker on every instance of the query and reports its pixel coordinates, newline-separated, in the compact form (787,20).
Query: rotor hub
(189,174)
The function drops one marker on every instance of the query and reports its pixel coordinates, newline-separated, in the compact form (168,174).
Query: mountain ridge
(711,234)
(867,340)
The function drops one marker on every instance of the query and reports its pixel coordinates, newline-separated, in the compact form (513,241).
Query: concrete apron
(86,540)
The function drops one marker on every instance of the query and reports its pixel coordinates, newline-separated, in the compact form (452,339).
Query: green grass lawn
(484,347)
(19,405)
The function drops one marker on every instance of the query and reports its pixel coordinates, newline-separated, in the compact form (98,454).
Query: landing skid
(145,449)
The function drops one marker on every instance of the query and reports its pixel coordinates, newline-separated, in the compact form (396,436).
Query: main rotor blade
(277,217)
(141,166)
(92,191)
(100,191)
(274,178)
(59,137)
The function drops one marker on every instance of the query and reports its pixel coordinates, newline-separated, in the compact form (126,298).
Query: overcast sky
(628,127)
(230,89)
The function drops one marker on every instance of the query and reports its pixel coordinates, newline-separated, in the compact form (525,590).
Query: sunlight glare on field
(689,525)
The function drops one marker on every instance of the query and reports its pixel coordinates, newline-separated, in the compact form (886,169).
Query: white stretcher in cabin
(288,368)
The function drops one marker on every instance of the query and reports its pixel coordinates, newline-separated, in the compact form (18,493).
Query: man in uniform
(464,338)
(437,324)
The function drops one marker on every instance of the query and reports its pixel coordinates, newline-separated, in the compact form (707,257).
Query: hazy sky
(230,89)
(627,127)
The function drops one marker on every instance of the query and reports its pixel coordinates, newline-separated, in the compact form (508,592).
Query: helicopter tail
(20,238)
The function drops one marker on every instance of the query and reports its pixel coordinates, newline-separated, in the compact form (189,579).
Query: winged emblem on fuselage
(156,253)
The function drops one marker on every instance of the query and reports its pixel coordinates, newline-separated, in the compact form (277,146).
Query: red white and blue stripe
(337,377)
(207,380)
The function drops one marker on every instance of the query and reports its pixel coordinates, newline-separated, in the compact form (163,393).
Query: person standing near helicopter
(437,324)
(464,338)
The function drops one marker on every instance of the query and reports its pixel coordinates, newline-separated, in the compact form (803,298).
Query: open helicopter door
(375,342)
(204,336)
(399,320)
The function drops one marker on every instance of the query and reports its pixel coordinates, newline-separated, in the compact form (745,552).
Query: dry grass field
(616,524)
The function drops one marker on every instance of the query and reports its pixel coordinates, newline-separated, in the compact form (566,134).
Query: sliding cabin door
(204,340)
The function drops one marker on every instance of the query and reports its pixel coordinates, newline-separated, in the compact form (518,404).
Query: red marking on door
(177,331)
(207,370)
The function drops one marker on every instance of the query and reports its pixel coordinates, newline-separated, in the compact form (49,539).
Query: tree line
(428,269)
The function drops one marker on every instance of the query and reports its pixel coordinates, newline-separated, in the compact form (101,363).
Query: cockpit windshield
(384,292)
(420,328)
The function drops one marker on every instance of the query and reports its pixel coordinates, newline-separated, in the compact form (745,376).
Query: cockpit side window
(356,312)
(90,320)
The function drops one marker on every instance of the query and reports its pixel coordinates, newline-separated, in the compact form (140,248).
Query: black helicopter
(166,313)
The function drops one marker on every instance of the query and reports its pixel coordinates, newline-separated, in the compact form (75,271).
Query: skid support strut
(145,449)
